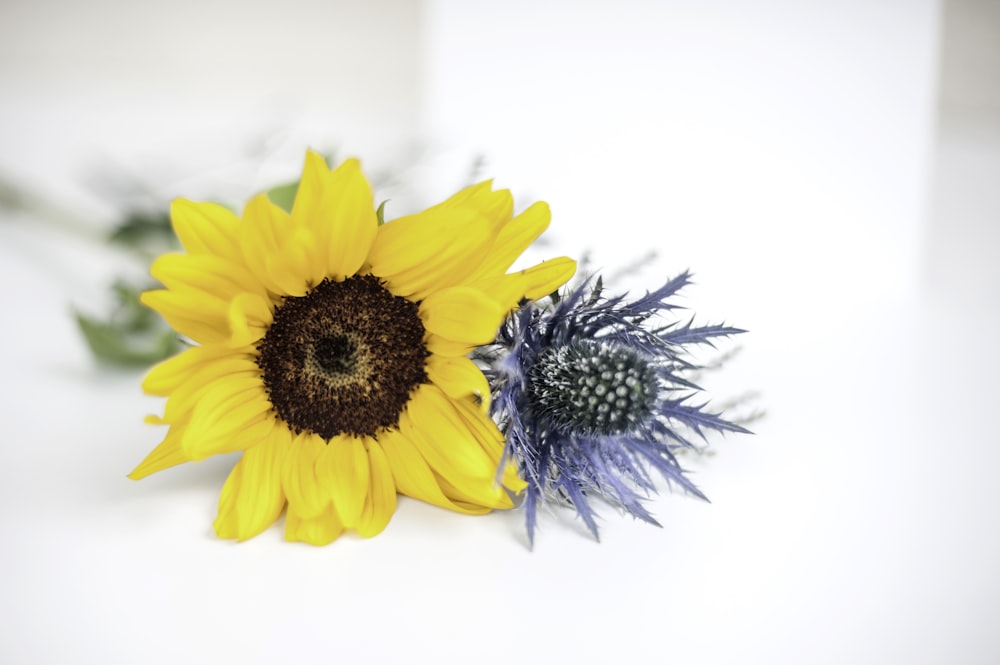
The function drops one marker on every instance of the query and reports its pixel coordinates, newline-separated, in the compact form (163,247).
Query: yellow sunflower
(331,351)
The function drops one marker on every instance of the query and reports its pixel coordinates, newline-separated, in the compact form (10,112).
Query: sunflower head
(331,350)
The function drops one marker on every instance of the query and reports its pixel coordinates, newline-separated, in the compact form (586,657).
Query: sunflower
(331,350)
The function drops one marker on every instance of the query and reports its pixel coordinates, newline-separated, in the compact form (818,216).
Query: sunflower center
(589,388)
(336,354)
(343,358)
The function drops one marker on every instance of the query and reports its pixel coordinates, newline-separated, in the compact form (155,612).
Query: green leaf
(380,213)
(283,196)
(133,334)
(131,315)
(111,343)
(140,228)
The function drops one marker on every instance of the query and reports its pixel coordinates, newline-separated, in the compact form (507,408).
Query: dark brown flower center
(343,358)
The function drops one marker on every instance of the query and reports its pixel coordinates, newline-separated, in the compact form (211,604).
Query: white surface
(785,155)
(766,141)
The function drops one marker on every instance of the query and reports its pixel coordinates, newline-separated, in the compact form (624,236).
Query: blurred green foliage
(283,196)
(133,335)
(141,229)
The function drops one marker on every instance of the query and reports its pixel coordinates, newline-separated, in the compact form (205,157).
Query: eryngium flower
(593,393)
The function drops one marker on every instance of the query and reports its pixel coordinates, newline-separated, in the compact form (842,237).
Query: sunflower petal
(515,237)
(224,420)
(310,207)
(312,212)
(249,317)
(172,373)
(419,254)
(475,491)
(496,205)
(182,402)
(458,378)
(380,504)
(293,267)
(252,499)
(432,424)
(226,524)
(490,440)
(532,283)
(352,221)
(320,529)
(298,477)
(414,477)
(263,232)
(206,228)
(342,472)
(491,443)
(191,313)
(546,277)
(442,346)
(169,453)
(280,252)
(463,314)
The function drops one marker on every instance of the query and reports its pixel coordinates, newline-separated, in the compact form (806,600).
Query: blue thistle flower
(591,396)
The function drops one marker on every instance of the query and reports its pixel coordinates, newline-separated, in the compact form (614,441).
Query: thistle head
(593,396)
(592,388)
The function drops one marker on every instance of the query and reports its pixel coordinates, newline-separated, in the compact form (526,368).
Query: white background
(827,169)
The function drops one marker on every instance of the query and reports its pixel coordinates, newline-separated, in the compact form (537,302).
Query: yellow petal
(206,228)
(185,398)
(226,420)
(482,443)
(432,424)
(515,237)
(252,499)
(292,268)
(192,313)
(380,502)
(226,524)
(544,278)
(174,372)
(352,221)
(312,196)
(458,378)
(496,205)
(320,529)
(262,233)
(463,314)
(419,254)
(342,471)
(413,476)
(476,491)
(212,275)
(482,427)
(531,283)
(490,440)
(442,346)
(277,251)
(298,478)
(311,213)
(249,317)
(169,453)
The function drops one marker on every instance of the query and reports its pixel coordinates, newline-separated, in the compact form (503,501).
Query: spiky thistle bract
(595,395)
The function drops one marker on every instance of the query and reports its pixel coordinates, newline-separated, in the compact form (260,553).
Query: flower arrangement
(350,359)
